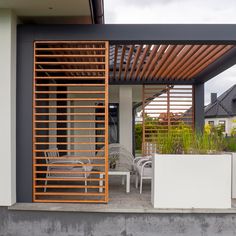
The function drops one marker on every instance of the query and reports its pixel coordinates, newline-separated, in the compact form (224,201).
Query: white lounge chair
(52,157)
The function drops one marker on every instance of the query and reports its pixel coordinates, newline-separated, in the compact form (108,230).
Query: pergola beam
(138,33)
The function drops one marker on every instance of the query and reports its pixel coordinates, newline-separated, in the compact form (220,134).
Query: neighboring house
(222,110)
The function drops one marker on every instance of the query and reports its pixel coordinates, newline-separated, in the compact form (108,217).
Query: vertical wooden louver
(165,108)
(70,120)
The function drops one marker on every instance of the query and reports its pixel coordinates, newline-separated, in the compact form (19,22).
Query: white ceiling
(48,7)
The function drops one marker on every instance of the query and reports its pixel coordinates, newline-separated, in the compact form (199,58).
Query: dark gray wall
(23,223)
(199,106)
(24,121)
(27,34)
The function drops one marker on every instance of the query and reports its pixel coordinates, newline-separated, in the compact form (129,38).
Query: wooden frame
(70,82)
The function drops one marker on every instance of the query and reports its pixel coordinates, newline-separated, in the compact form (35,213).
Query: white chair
(143,171)
(124,158)
(52,157)
(143,165)
(137,159)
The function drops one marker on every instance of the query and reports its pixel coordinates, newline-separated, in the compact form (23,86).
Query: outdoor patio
(119,201)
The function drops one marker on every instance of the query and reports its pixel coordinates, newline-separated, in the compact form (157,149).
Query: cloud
(170,11)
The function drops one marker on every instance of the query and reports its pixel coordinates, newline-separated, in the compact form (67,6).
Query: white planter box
(191,181)
(234,175)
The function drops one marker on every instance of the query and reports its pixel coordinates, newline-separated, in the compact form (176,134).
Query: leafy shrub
(138,136)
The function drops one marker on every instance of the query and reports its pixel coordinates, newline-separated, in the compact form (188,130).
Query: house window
(113,122)
(222,124)
(211,122)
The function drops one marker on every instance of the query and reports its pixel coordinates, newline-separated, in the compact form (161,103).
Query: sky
(178,12)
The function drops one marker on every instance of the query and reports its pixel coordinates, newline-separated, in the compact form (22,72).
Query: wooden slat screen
(165,107)
(70,115)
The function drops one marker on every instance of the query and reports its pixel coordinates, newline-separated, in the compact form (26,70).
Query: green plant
(178,139)
(138,136)
(113,158)
(181,139)
(230,144)
(233,131)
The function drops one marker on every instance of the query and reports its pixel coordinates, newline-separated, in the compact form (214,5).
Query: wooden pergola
(70,63)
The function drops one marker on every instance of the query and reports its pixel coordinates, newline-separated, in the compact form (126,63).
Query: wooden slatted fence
(70,93)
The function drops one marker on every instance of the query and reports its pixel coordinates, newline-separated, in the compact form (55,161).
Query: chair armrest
(61,161)
(136,159)
(64,161)
(144,164)
(143,160)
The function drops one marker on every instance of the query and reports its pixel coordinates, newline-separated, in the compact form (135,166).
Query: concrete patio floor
(119,202)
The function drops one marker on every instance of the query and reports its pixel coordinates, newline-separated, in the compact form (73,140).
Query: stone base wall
(35,223)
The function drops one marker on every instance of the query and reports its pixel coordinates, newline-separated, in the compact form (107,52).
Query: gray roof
(224,106)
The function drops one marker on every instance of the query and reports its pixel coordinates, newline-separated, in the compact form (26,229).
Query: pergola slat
(115,62)
(148,62)
(135,61)
(128,61)
(121,61)
(140,64)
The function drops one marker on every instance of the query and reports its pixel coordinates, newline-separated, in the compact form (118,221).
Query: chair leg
(46,183)
(85,183)
(141,185)
(123,180)
(136,180)
(100,183)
